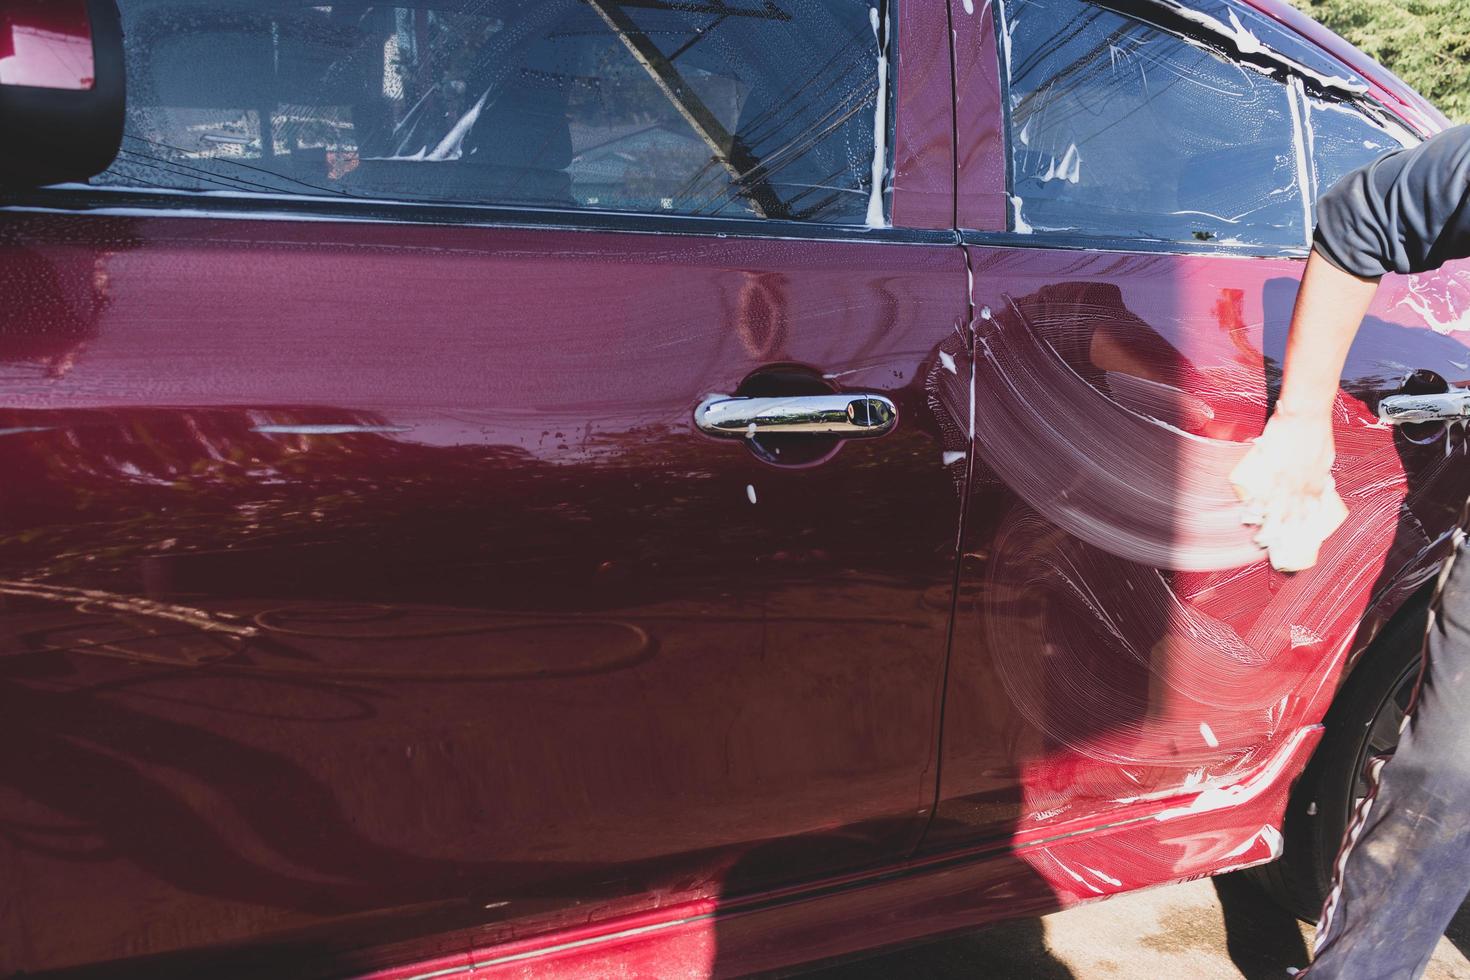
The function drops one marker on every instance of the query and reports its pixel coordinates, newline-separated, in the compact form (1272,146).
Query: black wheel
(1363,722)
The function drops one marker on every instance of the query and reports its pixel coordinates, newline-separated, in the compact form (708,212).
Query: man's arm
(1286,478)
(1408,211)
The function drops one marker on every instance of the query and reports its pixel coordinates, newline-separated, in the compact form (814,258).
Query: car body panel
(354,568)
(1117,636)
(981,201)
(1114,640)
(919,900)
(370,605)
(923,140)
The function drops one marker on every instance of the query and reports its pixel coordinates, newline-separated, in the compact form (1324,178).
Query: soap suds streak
(1109,658)
(1267,835)
(1166,403)
(1115,673)
(1121,481)
(1441,300)
(1119,664)
(875,217)
(1236,37)
(974,372)
(1236,794)
(1208,734)
(1018,223)
(947,391)
(1066,168)
(1105,877)
(1303,637)
(1308,174)
(1296,99)
(1077,877)
(1186,843)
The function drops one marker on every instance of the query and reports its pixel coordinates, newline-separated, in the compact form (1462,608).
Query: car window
(763,108)
(1343,138)
(1120,129)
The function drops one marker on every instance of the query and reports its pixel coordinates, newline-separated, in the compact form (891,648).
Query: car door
(366,575)
(1123,652)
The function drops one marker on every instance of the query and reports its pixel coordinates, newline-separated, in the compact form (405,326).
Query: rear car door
(1137,210)
(365,576)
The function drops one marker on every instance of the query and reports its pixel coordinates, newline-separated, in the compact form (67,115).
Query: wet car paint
(924,136)
(1118,637)
(981,200)
(1115,641)
(911,902)
(337,584)
(358,618)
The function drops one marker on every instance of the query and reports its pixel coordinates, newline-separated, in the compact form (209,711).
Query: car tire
(1363,721)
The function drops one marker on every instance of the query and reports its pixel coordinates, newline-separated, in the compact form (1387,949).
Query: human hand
(1286,484)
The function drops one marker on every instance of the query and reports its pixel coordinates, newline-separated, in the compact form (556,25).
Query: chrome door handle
(1445,406)
(850,416)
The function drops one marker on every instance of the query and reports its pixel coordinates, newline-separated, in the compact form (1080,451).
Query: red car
(650,488)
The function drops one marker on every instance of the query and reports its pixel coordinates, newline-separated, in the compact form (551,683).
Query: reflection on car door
(1122,649)
(364,576)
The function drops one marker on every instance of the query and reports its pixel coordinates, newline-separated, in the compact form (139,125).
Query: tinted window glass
(743,108)
(1121,129)
(1342,139)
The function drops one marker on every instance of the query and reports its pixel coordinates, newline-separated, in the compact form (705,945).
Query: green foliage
(1424,42)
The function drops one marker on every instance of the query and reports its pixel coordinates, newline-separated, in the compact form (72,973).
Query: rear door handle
(857,415)
(1445,406)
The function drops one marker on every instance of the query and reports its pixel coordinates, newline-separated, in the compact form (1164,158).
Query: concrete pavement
(1220,929)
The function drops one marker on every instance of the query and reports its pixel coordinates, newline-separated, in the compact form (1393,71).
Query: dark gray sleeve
(1407,211)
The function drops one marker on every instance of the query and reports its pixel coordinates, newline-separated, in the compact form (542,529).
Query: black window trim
(1063,242)
(144,203)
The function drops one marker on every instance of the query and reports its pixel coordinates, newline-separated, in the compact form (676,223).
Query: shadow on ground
(1261,938)
(1223,928)
(1011,949)
(1459,930)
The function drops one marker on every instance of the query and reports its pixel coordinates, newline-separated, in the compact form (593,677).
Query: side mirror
(61,89)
